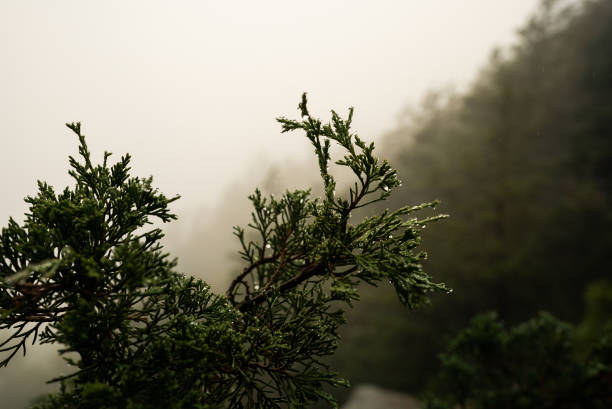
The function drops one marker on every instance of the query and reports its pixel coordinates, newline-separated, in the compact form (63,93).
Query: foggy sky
(191,90)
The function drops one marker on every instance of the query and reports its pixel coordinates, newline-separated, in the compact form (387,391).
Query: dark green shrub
(538,364)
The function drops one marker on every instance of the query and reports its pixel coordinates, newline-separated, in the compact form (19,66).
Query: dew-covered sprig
(304,258)
(375,178)
(304,240)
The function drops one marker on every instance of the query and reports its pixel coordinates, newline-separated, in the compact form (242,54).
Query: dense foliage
(86,271)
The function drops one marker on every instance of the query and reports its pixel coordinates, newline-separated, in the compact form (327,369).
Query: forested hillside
(522,162)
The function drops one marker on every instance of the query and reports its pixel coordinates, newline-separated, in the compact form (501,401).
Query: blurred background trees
(537,364)
(522,163)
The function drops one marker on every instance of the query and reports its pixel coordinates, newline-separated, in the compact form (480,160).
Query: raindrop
(256,286)
(268,246)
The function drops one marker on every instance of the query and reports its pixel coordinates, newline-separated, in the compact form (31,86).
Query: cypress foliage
(85,271)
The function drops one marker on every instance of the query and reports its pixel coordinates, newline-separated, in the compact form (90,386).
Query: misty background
(191,90)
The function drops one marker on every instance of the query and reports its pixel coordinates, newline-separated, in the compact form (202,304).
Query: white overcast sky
(191,88)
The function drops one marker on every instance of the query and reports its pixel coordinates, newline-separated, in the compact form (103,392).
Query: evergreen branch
(92,279)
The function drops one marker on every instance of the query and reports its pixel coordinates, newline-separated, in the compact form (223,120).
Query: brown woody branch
(240,278)
(316,269)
